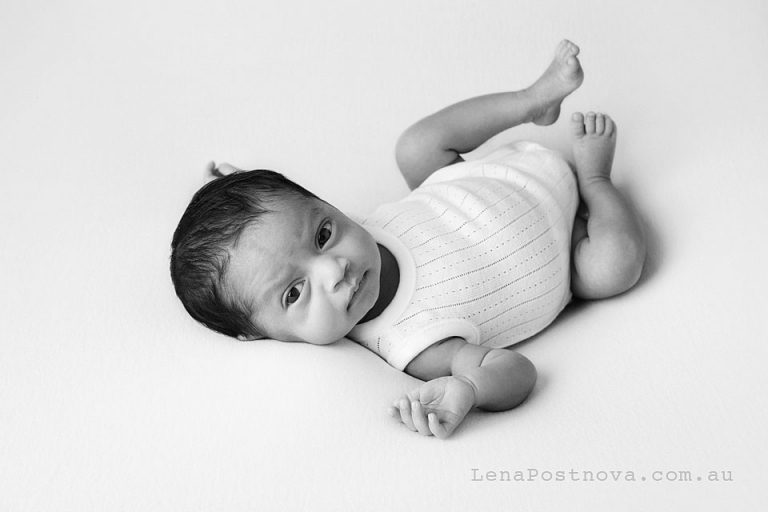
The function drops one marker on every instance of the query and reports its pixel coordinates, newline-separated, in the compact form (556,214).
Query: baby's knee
(629,267)
(612,270)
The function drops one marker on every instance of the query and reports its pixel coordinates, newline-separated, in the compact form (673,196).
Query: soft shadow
(654,254)
(478,421)
(574,308)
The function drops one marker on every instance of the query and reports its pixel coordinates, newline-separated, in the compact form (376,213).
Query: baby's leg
(609,247)
(439,139)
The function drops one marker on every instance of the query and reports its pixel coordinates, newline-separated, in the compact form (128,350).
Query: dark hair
(212,223)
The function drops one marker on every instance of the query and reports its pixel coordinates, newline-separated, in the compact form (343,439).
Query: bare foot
(594,142)
(563,76)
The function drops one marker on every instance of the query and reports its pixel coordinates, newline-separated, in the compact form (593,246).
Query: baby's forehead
(282,222)
(274,242)
(258,262)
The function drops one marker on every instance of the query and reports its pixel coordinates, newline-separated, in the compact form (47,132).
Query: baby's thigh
(579,231)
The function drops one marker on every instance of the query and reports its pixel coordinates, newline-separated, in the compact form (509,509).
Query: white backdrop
(111,398)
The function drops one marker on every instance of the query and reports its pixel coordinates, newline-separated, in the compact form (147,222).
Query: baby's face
(307,271)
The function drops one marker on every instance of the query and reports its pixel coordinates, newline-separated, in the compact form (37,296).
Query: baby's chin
(329,336)
(324,341)
(328,339)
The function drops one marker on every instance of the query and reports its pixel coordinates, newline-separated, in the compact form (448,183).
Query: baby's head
(255,255)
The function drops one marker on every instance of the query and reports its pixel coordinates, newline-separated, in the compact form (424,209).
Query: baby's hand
(436,407)
(212,171)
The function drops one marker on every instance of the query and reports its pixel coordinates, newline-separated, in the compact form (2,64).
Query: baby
(480,255)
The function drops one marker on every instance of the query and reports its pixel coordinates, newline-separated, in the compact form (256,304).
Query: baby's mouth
(354,290)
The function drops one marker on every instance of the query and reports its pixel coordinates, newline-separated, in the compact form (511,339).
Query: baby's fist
(436,407)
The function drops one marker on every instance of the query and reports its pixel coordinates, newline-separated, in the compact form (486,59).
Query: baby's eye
(324,234)
(294,293)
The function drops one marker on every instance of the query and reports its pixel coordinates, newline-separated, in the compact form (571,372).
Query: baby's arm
(460,376)
(438,140)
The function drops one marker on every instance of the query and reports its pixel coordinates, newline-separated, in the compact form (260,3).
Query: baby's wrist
(470,384)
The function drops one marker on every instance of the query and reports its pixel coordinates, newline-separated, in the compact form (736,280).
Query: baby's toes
(577,125)
(589,123)
(599,124)
(565,49)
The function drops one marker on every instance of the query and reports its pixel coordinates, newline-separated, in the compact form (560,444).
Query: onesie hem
(425,338)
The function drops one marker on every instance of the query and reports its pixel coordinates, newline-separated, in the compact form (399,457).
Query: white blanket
(113,399)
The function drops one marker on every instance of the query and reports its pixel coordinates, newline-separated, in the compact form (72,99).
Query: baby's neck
(389,279)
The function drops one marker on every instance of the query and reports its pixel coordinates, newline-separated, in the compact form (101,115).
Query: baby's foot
(594,142)
(563,76)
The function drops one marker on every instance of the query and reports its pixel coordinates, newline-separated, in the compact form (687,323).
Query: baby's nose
(332,271)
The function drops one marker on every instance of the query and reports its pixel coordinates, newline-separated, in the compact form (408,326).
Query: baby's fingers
(437,428)
(405,414)
(419,419)
(394,411)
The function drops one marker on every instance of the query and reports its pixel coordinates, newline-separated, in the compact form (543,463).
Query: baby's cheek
(324,325)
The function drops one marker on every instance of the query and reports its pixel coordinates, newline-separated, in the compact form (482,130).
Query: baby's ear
(249,337)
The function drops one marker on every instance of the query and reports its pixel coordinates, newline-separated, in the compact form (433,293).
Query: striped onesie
(483,248)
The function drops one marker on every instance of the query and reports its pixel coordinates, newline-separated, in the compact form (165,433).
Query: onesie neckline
(405,287)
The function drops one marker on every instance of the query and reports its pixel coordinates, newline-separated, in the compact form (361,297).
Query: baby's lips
(353,290)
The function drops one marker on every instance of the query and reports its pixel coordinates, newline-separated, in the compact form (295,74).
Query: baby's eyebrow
(270,289)
(312,222)
(314,212)
(306,222)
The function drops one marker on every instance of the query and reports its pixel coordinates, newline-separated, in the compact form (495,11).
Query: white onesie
(483,248)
